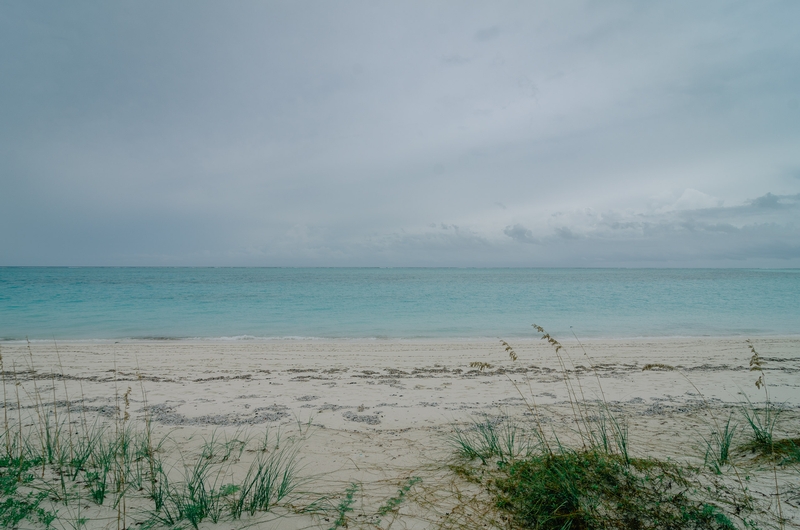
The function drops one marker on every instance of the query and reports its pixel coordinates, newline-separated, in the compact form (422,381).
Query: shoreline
(385,340)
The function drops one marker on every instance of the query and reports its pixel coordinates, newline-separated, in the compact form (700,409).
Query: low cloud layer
(763,230)
(410,134)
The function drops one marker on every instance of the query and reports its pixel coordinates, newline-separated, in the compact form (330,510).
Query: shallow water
(243,303)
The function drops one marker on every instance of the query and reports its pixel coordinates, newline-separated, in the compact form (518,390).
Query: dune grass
(56,458)
(63,462)
(595,489)
(492,439)
(719,445)
(593,482)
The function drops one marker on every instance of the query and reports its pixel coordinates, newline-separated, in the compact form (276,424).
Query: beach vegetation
(57,454)
(588,478)
(762,420)
(271,440)
(340,509)
(786,451)
(595,489)
(490,440)
(269,479)
(196,498)
(18,501)
(718,446)
(392,504)
(345,506)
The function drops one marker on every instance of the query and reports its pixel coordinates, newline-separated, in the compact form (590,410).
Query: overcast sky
(423,133)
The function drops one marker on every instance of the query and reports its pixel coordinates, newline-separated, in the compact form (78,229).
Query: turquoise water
(241,303)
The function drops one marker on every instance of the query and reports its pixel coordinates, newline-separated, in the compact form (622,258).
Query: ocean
(387,303)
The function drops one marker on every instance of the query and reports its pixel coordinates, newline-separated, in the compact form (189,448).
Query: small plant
(762,421)
(102,460)
(593,435)
(393,503)
(309,422)
(488,439)
(16,505)
(77,521)
(480,365)
(269,479)
(85,447)
(217,450)
(267,444)
(718,446)
(197,500)
(157,487)
(345,506)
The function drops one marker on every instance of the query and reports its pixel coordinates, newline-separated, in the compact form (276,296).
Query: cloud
(487,34)
(761,229)
(565,232)
(455,59)
(768,201)
(520,233)
(273,134)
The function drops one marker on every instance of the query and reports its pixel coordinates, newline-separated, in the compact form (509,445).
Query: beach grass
(595,489)
(719,444)
(109,471)
(593,482)
(55,458)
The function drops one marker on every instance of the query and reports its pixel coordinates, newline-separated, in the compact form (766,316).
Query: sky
(350,133)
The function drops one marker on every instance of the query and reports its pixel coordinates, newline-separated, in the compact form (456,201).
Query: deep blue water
(111,303)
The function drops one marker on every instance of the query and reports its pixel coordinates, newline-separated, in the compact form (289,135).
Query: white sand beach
(379,414)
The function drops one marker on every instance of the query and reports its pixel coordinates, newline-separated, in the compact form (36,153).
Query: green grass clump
(488,439)
(202,494)
(761,420)
(762,423)
(784,451)
(718,447)
(269,479)
(595,489)
(788,450)
(18,505)
(193,500)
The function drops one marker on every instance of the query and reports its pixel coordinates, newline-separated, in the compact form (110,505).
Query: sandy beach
(379,414)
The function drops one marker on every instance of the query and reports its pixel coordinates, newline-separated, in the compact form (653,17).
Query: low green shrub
(595,489)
